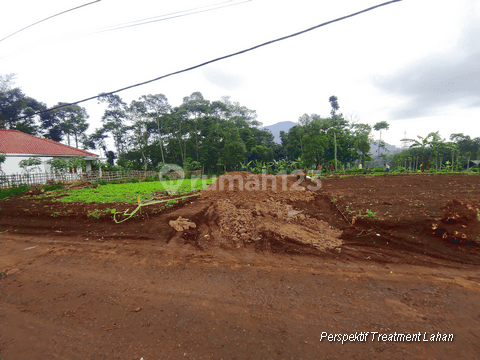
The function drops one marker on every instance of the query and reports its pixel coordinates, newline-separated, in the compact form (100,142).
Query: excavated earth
(256,266)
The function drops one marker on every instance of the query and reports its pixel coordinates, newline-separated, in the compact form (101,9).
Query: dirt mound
(239,186)
(35,191)
(182,224)
(460,222)
(256,209)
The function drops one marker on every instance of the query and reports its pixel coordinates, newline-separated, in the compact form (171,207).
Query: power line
(60,13)
(172,15)
(214,60)
(139,22)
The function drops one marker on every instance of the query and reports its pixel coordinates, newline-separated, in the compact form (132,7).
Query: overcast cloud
(441,79)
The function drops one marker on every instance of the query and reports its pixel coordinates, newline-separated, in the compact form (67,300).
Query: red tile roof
(16,142)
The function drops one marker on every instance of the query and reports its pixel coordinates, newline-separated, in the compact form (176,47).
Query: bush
(132,180)
(156,178)
(14,190)
(351,171)
(54,186)
(148,179)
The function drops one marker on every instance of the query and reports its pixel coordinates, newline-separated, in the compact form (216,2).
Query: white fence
(33,179)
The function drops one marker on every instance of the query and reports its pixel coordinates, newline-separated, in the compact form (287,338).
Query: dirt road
(64,299)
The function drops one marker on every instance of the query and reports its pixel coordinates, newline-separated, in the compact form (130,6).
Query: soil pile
(460,222)
(256,209)
(182,224)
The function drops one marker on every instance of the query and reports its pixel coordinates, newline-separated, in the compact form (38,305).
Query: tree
(423,143)
(111,156)
(96,140)
(379,126)
(434,143)
(261,153)
(2,158)
(136,113)
(158,108)
(334,104)
(58,165)
(69,121)
(114,120)
(76,162)
(240,115)
(362,141)
(234,148)
(30,164)
(14,104)
(7,81)
(195,107)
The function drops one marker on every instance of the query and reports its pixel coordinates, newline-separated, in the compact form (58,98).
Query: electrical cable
(164,17)
(126,25)
(60,13)
(214,60)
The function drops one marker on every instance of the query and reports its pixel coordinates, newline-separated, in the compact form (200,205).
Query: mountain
(392,149)
(276,128)
(286,125)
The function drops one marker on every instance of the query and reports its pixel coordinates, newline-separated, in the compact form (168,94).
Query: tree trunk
(429,162)
(160,141)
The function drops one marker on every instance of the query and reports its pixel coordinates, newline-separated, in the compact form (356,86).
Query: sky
(413,63)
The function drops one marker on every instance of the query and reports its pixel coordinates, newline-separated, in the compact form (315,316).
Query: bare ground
(73,286)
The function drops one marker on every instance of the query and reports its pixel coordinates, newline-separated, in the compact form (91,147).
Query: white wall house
(19,146)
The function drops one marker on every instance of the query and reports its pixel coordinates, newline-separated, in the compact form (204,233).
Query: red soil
(268,270)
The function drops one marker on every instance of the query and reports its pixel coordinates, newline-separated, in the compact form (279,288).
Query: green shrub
(132,180)
(14,190)
(53,187)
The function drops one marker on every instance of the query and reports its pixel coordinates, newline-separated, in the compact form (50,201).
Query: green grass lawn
(129,192)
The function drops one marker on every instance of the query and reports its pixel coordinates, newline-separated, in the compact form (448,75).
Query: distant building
(18,146)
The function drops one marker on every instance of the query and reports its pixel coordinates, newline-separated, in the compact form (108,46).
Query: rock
(182,224)
(11,271)
(293,213)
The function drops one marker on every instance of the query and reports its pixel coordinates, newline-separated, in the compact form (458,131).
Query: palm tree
(421,144)
(453,147)
(434,144)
